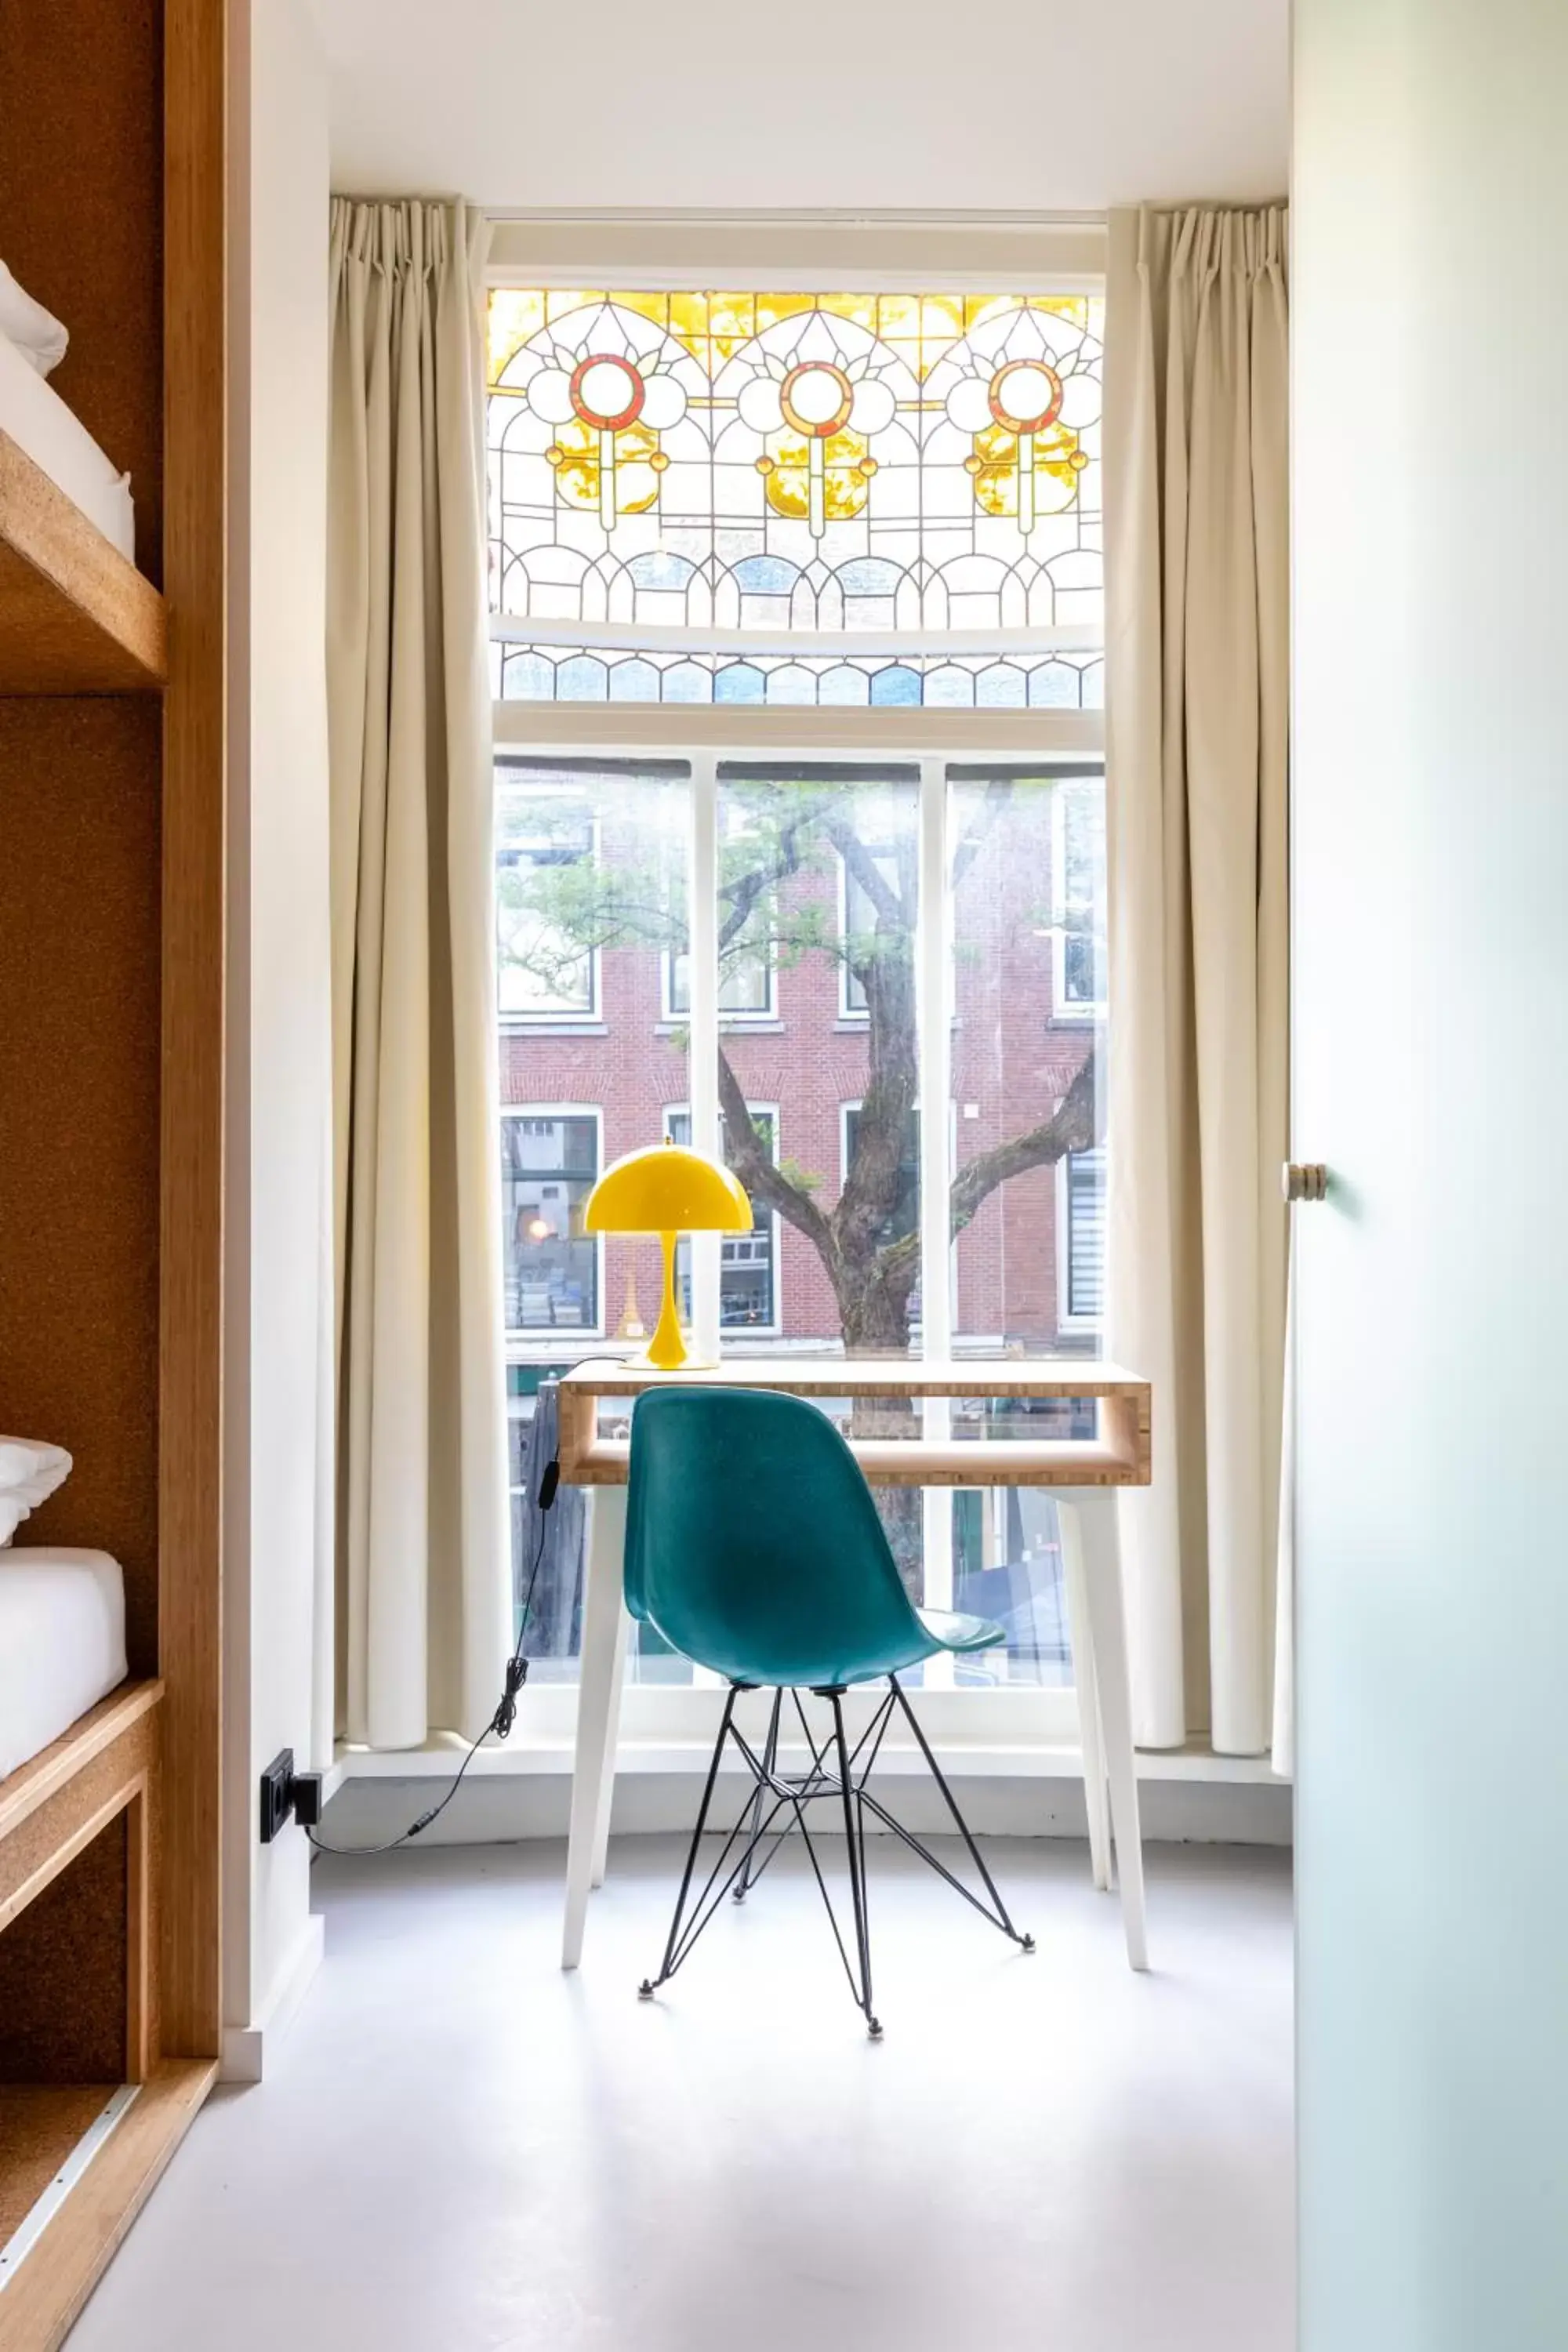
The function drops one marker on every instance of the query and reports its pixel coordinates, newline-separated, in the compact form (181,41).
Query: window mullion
(702,931)
(933,1000)
(933,996)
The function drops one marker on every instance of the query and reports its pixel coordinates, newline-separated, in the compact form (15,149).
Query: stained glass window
(1023,679)
(872,499)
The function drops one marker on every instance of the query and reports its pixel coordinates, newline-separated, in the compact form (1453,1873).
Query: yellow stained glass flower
(574,454)
(846,476)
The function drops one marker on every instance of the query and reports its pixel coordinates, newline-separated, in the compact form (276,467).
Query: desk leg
(602,1611)
(611,1736)
(1096,1510)
(1081,1635)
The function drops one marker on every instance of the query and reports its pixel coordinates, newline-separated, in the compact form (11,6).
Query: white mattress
(37,419)
(62,1642)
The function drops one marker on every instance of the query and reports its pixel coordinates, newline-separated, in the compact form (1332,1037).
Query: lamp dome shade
(665,1189)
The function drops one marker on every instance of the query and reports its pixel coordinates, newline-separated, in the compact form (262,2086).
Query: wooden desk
(1085,1477)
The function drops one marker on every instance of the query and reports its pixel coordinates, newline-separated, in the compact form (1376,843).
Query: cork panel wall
(81,163)
(62,1973)
(39,2126)
(82,225)
(78,1114)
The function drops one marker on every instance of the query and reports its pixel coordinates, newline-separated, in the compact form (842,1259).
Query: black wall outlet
(277,1794)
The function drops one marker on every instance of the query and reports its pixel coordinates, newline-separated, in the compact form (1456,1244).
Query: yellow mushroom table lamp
(667,1189)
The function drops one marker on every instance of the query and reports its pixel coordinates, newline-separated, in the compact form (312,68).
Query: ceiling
(824,105)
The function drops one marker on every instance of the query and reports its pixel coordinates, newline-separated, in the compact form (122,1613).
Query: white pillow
(37,332)
(12,1513)
(37,420)
(31,1470)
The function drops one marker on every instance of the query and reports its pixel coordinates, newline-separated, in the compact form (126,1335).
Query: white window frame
(854,1016)
(1079,1010)
(772,253)
(544,1024)
(525,1347)
(759,1016)
(755,1016)
(1066,1320)
(1024,1716)
(773,1329)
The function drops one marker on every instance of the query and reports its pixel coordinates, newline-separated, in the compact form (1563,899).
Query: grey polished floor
(458,2149)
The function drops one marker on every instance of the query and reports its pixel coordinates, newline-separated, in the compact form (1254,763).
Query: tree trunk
(873,1309)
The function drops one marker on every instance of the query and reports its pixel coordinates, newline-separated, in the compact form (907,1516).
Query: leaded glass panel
(1021,679)
(740,471)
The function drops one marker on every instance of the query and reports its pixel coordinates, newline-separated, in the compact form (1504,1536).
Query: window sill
(850,1023)
(766,1025)
(549,1347)
(553,1029)
(524,1756)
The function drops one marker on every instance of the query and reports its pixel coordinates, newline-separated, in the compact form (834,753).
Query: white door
(1430,313)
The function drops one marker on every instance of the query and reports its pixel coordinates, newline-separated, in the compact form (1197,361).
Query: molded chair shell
(754,1546)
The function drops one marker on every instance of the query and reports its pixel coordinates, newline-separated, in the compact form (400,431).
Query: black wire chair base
(836,1770)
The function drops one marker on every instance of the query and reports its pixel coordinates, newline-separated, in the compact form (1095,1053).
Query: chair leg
(648,1986)
(855,1846)
(834,1771)
(999,1913)
(742,1886)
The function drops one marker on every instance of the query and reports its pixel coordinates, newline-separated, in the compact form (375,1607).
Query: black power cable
(505,1716)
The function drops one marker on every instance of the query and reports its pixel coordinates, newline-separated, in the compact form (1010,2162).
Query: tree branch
(860,862)
(1073,1126)
(747,889)
(998,797)
(754,1164)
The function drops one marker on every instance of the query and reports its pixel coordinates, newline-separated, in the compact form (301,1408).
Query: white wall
(1430,299)
(718,104)
(279,1104)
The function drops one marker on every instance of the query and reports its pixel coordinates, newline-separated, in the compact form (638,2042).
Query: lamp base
(666,1351)
(644,1362)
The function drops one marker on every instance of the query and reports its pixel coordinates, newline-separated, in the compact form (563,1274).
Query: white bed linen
(37,419)
(31,1469)
(62,1642)
(37,332)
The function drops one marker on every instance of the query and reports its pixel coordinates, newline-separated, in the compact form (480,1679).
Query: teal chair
(753,1548)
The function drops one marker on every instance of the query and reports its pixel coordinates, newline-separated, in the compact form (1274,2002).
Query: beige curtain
(422,1535)
(1197,665)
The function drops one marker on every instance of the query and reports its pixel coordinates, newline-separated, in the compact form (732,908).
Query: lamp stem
(667,1350)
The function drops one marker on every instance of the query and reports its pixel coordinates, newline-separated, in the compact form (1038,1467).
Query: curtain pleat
(1196,569)
(422,1502)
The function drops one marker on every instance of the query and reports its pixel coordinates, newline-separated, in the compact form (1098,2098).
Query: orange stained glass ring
(601,378)
(806,397)
(1024,375)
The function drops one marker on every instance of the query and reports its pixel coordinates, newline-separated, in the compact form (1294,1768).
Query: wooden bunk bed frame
(113,781)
